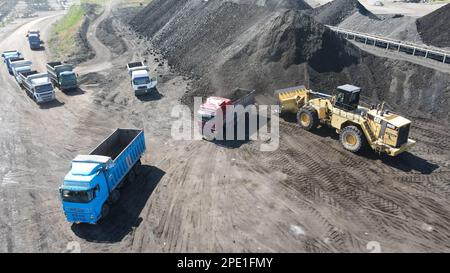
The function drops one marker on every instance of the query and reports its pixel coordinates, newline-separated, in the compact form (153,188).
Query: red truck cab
(213,106)
(209,109)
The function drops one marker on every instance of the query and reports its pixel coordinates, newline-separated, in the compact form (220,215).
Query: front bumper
(405,147)
(69,87)
(143,91)
(43,98)
(81,218)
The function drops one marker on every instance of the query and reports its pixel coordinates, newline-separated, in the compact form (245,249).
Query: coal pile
(335,12)
(434,28)
(277,4)
(224,45)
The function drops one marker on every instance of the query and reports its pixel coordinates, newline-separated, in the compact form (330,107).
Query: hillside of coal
(337,11)
(434,28)
(224,45)
(277,4)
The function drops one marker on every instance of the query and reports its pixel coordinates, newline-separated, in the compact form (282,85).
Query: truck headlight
(92,217)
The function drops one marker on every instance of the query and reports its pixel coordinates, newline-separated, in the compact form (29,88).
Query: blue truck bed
(124,147)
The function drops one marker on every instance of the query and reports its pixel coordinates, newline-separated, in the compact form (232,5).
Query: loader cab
(347,97)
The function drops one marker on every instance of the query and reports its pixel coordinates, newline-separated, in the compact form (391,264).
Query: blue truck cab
(92,183)
(8,55)
(35,41)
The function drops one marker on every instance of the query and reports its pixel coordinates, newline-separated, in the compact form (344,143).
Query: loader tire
(307,118)
(352,138)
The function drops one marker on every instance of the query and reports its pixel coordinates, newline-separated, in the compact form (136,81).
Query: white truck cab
(140,78)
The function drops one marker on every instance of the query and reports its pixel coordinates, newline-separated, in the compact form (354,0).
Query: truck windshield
(34,39)
(68,77)
(141,80)
(43,88)
(78,196)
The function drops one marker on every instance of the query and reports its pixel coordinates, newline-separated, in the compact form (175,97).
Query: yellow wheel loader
(357,126)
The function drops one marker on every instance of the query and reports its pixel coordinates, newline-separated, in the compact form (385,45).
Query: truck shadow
(51,104)
(42,48)
(74,92)
(404,162)
(124,215)
(154,95)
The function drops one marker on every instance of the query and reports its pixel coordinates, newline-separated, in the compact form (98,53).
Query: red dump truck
(213,106)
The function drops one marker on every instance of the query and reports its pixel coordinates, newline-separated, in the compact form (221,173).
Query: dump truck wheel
(351,138)
(105,210)
(131,176)
(307,118)
(115,195)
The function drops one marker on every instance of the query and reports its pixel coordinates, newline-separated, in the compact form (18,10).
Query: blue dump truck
(35,41)
(92,184)
(62,75)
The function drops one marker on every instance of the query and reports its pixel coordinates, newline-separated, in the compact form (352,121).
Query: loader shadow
(124,215)
(51,104)
(404,162)
(74,92)
(152,96)
(236,142)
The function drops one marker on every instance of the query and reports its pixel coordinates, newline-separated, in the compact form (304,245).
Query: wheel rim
(304,119)
(350,139)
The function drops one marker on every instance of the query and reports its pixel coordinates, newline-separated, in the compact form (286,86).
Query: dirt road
(308,196)
(102,59)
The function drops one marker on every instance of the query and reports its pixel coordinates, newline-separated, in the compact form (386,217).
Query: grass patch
(64,31)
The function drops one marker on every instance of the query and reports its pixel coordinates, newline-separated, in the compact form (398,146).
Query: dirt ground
(310,195)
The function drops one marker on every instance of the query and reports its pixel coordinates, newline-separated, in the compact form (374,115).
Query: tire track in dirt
(312,173)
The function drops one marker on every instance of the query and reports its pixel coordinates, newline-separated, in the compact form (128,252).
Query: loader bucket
(290,99)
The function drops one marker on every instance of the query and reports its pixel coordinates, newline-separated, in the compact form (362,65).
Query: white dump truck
(20,66)
(38,86)
(140,78)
